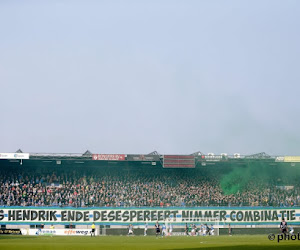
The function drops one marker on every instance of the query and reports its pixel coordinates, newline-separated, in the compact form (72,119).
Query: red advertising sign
(179,161)
(106,157)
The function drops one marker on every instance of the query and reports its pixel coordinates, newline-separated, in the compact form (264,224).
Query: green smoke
(257,173)
(234,181)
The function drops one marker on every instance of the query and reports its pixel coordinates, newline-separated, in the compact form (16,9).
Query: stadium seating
(112,187)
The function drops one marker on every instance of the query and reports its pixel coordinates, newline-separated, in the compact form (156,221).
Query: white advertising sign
(69,232)
(14,156)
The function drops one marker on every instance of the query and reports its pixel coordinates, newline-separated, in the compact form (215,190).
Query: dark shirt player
(157,229)
(283,226)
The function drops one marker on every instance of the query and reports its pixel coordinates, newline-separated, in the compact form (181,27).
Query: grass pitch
(140,242)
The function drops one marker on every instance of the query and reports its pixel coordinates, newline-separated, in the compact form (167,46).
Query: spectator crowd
(115,188)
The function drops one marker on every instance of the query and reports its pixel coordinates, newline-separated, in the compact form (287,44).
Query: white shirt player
(145,229)
(130,229)
(167,226)
(164,230)
(170,229)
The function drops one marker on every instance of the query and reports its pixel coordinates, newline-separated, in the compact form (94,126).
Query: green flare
(262,173)
(234,181)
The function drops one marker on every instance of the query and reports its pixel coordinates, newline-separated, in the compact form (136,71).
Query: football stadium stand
(141,181)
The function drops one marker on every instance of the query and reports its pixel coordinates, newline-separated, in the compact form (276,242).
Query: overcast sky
(138,76)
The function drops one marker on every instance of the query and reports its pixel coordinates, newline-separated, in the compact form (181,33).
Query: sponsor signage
(142,157)
(121,216)
(14,156)
(69,232)
(10,231)
(179,161)
(107,157)
(214,157)
(292,159)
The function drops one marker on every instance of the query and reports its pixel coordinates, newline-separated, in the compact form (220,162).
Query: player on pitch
(283,226)
(93,230)
(157,229)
